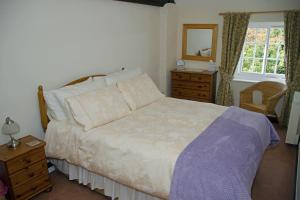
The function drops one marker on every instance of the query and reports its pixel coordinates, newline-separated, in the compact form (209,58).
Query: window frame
(254,76)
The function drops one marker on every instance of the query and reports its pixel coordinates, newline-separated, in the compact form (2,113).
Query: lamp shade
(10,127)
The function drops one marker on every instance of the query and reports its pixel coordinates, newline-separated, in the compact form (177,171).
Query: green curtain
(292,60)
(234,33)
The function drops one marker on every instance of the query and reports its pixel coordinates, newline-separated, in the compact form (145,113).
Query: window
(263,53)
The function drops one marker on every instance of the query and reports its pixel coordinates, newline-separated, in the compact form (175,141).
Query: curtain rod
(262,12)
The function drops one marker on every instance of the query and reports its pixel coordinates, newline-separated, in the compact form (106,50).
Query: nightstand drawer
(35,186)
(29,173)
(200,78)
(190,93)
(191,85)
(180,76)
(25,160)
(24,169)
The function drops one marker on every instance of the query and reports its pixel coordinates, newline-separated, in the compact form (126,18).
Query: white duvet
(139,150)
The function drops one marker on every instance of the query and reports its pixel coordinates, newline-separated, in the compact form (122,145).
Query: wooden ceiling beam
(159,3)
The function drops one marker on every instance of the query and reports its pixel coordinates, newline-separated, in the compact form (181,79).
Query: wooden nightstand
(24,169)
(194,85)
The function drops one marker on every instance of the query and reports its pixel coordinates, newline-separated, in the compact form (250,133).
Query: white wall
(51,42)
(207,12)
(168,46)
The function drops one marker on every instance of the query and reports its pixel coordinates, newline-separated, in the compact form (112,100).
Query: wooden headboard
(42,104)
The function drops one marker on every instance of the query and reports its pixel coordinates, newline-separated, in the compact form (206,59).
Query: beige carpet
(274,180)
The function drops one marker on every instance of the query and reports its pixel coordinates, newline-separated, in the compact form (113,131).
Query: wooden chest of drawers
(194,85)
(24,169)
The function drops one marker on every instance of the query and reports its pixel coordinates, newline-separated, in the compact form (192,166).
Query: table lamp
(10,128)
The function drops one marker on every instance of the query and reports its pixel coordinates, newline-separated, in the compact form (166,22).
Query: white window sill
(256,80)
(245,80)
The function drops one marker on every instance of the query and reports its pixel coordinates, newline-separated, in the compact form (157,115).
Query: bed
(133,157)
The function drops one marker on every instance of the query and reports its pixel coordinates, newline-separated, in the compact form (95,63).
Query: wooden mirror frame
(214,28)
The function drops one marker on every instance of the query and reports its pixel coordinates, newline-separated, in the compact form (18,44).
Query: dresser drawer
(200,77)
(180,76)
(194,85)
(25,160)
(29,173)
(28,190)
(191,85)
(177,92)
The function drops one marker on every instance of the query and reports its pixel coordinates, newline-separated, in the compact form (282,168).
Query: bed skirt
(95,181)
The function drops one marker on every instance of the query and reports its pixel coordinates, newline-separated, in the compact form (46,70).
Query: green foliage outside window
(264,53)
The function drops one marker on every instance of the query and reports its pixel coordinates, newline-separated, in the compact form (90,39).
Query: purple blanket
(221,163)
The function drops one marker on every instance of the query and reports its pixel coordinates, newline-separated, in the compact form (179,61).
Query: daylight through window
(263,52)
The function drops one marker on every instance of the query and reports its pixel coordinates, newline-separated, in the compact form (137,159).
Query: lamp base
(13,143)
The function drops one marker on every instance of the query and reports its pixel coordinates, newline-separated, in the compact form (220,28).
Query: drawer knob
(34,188)
(31,175)
(26,160)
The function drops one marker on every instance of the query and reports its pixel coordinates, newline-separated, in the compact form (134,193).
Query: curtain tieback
(227,77)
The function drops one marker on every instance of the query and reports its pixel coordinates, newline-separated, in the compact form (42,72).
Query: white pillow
(74,90)
(125,74)
(95,108)
(54,108)
(99,80)
(139,91)
(55,99)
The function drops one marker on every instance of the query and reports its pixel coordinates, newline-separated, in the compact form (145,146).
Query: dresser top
(10,153)
(194,71)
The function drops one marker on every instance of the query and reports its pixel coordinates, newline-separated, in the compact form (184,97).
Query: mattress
(139,150)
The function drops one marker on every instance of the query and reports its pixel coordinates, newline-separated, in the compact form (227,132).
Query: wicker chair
(271,93)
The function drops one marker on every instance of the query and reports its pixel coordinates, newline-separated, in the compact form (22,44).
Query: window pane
(261,35)
(270,66)
(280,67)
(263,51)
(272,51)
(276,35)
(260,50)
(247,65)
(249,50)
(257,67)
(250,37)
(281,52)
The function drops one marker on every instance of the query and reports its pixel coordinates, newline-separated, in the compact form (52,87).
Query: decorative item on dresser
(194,85)
(24,169)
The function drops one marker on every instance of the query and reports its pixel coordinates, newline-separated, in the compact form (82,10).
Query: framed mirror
(199,42)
